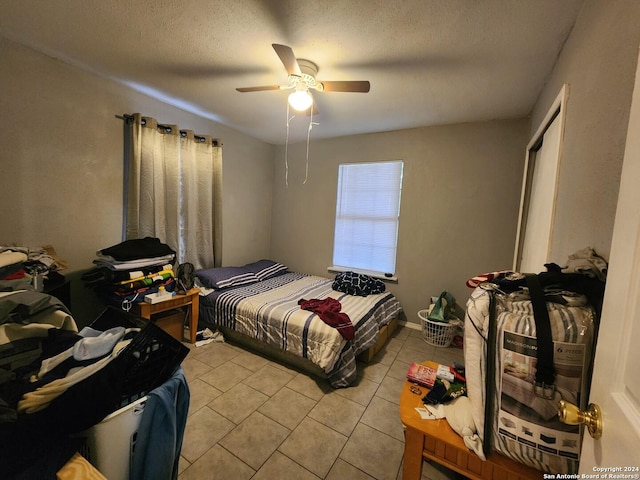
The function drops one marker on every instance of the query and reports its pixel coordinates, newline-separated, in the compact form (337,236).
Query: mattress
(268,311)
(524,426)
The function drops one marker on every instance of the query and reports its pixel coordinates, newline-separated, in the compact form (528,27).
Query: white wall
(459,211)
(62,175)
(598,62)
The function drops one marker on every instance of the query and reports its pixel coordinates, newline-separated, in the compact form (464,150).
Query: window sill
(381,276)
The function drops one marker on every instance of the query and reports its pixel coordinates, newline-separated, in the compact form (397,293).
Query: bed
(258,305)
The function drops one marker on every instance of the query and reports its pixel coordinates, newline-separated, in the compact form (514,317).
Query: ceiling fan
(302,78)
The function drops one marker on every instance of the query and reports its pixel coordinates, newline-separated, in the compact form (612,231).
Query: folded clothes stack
(21,266)
(12,265)
(126,272)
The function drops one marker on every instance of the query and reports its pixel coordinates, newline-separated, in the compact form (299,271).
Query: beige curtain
(173,190)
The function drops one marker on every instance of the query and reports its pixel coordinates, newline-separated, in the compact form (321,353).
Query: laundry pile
(26,267)
(126,272)
(76,357)
(77,380)
(446,397)
(26,317)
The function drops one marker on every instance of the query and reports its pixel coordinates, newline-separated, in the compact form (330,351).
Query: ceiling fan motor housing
(309,72)
(302,76)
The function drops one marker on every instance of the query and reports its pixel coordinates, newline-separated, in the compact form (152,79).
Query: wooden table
(189,300)
(78,468)
(435,440)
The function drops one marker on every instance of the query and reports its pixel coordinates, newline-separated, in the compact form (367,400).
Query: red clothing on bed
(328,309)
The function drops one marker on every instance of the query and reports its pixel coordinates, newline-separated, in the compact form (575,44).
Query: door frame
(558,110)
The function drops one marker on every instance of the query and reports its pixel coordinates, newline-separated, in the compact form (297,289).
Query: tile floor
(253,418)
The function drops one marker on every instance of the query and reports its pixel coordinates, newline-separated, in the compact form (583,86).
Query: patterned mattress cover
(268,311)
(570,325)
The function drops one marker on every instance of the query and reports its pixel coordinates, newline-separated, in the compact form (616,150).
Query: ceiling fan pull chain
(311,124)
(286,151)
(306,167)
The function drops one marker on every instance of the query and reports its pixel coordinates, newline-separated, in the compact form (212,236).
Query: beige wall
(459,207)
(446,233)
(598,62)
(61,159)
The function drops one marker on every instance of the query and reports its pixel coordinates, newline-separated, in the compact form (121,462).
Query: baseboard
(411,325)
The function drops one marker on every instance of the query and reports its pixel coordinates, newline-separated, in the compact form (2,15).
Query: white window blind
(367,215)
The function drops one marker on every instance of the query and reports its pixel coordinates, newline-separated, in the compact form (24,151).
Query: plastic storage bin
(110,444)
(148,361)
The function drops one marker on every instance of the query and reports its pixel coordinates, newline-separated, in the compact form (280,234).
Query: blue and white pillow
(264,269)
(225,277)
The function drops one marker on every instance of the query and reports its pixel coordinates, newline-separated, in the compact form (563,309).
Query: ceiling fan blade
(288,59)
(347,86)
(258,89)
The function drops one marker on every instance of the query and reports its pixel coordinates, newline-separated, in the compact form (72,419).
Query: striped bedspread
(268,311)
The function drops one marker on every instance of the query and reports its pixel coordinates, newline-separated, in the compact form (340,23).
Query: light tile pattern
(254,418)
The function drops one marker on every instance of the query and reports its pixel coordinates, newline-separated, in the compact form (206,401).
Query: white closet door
(542,198)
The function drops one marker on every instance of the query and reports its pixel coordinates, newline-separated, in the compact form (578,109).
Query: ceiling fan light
(300,100)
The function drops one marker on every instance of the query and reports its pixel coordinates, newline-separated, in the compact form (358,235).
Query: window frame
(397,190)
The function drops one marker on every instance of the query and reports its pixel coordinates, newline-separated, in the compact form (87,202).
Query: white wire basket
(439,334)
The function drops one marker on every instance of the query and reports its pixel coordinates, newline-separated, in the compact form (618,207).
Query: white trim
(411,325)
(381,276)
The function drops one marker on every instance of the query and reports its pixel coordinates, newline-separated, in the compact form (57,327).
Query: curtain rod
(216,142)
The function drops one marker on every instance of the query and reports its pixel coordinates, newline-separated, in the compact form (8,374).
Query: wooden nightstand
(435,440)
(189,300)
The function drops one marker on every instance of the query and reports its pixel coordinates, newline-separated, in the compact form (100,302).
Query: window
(367,215)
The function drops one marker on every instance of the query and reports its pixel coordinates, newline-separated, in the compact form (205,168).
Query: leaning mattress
(522,425)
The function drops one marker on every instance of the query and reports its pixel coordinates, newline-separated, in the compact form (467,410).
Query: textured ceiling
(429,62)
